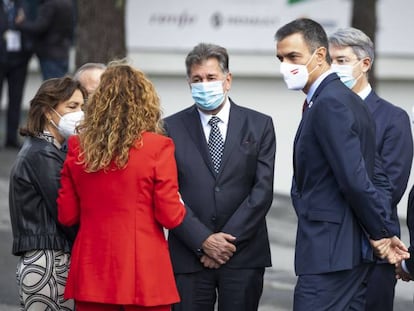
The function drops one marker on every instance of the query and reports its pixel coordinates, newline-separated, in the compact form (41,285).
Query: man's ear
(229,79)
(320,54)
(366,64)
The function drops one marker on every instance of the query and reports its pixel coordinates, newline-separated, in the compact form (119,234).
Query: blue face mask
(208,95)
(346,74)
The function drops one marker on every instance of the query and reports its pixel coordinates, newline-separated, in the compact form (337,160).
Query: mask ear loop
(49,117)
(310,59)
(53,123)
(360,75)
(57,113)
(225,92)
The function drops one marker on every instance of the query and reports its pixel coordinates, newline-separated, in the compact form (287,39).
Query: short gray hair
(360,43)
(87,66)
(204,51)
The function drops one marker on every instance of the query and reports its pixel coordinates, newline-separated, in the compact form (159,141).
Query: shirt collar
(316,84)
(223,114)
(365,92)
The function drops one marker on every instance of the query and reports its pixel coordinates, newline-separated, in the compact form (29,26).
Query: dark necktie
(215,143)
(305,106)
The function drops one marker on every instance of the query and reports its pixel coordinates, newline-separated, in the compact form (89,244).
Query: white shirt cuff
(404,267)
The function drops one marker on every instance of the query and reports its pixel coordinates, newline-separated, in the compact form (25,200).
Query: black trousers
(14,71)
(381,288)
(233,289)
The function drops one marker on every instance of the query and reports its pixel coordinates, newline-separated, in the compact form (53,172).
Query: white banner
(248,26)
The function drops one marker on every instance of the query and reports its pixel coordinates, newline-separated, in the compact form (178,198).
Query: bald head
(89,76)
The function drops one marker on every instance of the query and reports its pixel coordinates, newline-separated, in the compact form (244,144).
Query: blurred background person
(120,259)
(352,53)
(89,75)
(15,53)
(53,31)
(41,242)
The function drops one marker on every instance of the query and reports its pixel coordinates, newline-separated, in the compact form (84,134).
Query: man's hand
(209,262)
(381,247)
(391,249)
(400,273)
(218,246)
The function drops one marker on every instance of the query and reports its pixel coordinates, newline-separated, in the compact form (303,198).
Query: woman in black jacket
(42,244)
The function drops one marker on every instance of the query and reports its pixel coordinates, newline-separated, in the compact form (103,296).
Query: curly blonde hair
(124,105)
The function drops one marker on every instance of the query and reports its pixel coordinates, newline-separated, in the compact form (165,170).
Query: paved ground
(279,280)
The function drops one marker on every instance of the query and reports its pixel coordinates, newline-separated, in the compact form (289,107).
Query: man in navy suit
(225,157)
(339,209)
(352,53)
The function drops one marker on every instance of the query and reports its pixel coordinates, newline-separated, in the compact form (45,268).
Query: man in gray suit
(225,156)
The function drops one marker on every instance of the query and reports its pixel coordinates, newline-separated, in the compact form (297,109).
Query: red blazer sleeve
(169,208)
(68,201)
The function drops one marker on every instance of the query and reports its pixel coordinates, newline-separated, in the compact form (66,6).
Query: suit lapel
(193,125)
(195,130)
(236,120)
(297,174)
(372,101)
(294,146)
(324,83)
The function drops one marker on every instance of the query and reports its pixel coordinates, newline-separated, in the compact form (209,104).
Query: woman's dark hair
(50,94)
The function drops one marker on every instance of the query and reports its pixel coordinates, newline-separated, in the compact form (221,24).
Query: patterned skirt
(41,279)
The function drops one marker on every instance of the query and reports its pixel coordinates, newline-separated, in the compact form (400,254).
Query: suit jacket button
(213,218)
(217,189)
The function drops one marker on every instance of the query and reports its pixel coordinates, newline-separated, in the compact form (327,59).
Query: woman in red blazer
(119,183)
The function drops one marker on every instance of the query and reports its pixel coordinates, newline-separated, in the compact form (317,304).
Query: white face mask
(296,75)
(68,122)
(346,74)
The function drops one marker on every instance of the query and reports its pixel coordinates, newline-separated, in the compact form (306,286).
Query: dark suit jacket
(332,192)
(394,143)
(52,29)
(234,201)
